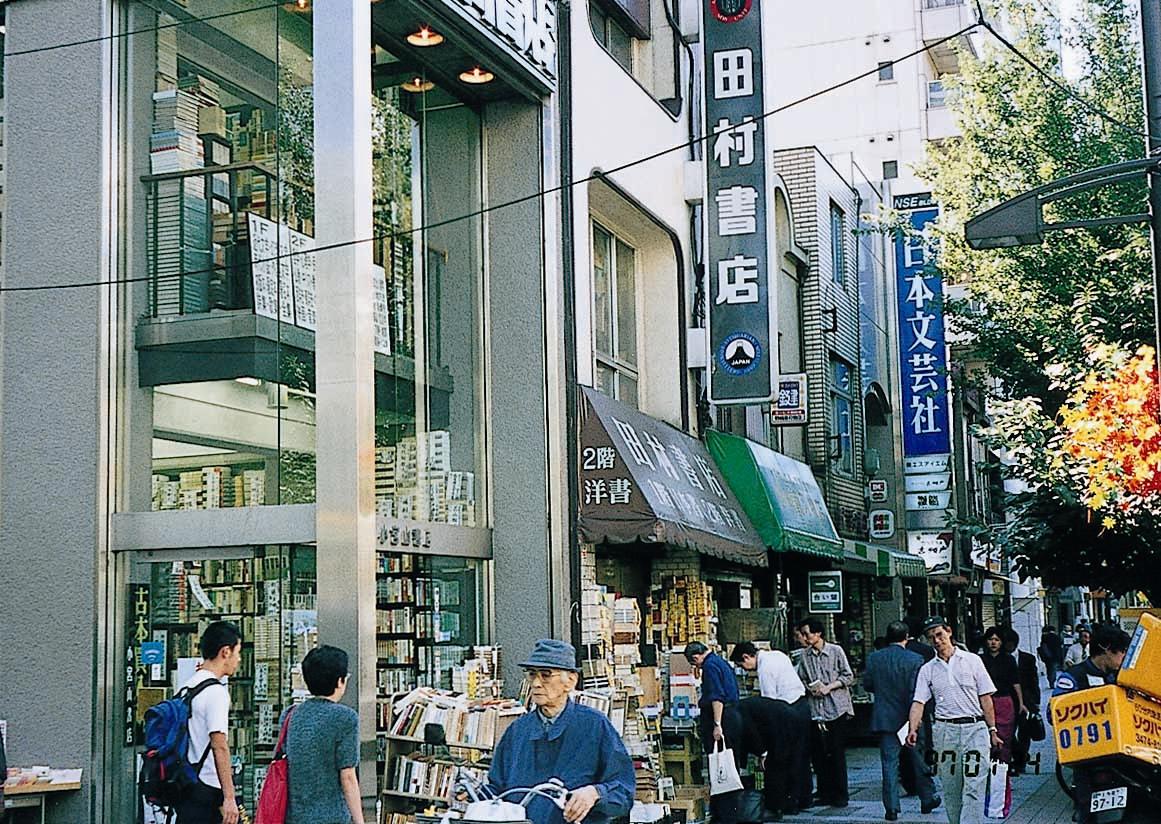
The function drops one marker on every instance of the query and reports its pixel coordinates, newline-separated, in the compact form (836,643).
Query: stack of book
(477,724)
(431,777)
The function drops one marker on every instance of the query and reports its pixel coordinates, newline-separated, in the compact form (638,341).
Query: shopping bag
(723,771)
(752,807)
(1032,727)
(275,795)
(998,801)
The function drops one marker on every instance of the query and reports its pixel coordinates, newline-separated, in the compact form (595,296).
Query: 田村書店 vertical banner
(742,361)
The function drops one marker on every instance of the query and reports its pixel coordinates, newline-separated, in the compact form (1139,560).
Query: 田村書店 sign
(742,365)
(922,345)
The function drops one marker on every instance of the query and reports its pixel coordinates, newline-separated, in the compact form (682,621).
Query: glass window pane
(626,304)
(626,388)
(837,244)
(602,290)
(606,380)
(598,21)
(620,45)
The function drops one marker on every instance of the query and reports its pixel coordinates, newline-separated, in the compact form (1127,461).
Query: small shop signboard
(877,490)
(937,482)
(825,591)
(927,501)
(924,464)
(934,547)
(881,524)
(789,406)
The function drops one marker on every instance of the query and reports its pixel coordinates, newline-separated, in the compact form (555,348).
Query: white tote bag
(998,801)
(723,771)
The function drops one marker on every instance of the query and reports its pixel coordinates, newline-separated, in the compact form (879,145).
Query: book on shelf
(431,776)
(476,724)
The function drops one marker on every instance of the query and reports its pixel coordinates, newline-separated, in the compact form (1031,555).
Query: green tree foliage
(1036,312)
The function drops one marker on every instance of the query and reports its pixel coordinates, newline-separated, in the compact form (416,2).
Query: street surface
(1036,798)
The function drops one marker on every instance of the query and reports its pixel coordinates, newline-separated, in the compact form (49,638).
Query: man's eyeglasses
(532,675)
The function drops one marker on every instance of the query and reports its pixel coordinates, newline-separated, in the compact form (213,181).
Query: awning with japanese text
(780,495)
(643,480)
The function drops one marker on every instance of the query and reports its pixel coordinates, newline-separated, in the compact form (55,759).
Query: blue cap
(552,654)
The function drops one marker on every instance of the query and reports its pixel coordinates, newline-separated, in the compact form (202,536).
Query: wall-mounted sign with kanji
(742,361)
(789,406)
(643,480)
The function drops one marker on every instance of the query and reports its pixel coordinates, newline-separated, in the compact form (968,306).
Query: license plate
(1112,799)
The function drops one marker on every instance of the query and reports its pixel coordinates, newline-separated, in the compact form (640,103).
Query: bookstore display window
(221,219)
(270,595)
(429,430)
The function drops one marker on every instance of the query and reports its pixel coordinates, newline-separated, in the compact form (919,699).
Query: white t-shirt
(777,677)
(209,713)
(956,685)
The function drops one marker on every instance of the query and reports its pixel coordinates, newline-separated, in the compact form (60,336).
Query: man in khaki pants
(965,722)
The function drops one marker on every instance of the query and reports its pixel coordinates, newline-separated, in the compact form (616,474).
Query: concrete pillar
(344,355)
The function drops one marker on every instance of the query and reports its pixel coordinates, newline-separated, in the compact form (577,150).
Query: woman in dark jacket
(1009,697)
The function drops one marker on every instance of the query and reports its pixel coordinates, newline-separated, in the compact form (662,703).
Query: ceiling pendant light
(477,76)
(418,84)
(425,37)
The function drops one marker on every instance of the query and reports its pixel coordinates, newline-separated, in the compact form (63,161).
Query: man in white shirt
(212,800)
(965,722)
(778,680)
(1078,652)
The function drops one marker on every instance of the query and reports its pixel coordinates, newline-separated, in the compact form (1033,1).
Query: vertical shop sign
(741,363)
(825,591)
(136,670)
(922,346)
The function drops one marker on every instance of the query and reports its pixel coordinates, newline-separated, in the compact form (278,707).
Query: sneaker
(926,808)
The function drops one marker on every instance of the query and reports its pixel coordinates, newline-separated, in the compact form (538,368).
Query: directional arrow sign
(825,591)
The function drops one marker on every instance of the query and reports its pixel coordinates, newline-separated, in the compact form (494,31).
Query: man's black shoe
(926,808)
(891,816)
(837,803)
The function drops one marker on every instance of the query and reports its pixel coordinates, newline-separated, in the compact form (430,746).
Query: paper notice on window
(903,732)
(195,586)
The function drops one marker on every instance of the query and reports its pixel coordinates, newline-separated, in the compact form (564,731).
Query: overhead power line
(495,207)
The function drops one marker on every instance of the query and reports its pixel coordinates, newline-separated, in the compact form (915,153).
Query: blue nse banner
(923,370)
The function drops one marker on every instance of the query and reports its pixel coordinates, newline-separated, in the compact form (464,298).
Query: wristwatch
(993,729)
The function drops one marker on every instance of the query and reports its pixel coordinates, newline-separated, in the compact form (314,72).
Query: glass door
(269,593)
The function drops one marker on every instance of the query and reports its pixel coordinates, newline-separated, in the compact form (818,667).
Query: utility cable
(148,30)
(495,207)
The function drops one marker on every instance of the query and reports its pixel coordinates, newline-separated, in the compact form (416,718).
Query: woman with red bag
(322,746)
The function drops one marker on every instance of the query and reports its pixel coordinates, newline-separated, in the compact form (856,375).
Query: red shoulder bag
(275,793)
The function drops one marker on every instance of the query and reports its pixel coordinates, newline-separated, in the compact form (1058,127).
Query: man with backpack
(211,800)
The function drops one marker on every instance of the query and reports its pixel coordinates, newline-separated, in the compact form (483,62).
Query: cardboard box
(693,808)
(1104,721)
(650,686)
(1142,667)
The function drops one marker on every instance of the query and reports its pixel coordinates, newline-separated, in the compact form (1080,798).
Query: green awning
(780,495)
(859,558)
(895,563)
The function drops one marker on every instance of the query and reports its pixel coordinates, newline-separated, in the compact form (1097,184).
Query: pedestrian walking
(1008,699)
(212,800)
(563,739)
(827,674)
(891,675)
(778,681)
(1051,651)
(1079,651)
(322,745)
(1030,688)
(923,745)
(721,723)
(965,723)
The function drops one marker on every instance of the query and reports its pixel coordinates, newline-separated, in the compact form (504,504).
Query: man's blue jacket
(580,748)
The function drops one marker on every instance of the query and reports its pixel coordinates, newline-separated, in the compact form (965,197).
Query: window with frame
(615,315)
(890,169)
(886,71)
(611,35)
(838,249)
(842,434)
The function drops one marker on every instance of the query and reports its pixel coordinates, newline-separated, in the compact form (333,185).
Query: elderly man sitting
(562,739)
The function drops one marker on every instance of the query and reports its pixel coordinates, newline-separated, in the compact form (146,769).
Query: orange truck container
(1141,670)
(1104,721)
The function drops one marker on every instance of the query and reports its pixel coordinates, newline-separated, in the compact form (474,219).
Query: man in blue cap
(562,739)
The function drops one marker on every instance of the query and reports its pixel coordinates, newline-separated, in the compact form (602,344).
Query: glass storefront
(222,216)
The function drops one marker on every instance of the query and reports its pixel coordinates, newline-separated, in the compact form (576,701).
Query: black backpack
(166,772)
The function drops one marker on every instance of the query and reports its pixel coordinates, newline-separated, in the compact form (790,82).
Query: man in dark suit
(776,732)
(1030,686)
(890,675)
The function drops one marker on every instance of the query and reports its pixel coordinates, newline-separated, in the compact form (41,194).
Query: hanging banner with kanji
(922,345)
(643,480)
(742,361)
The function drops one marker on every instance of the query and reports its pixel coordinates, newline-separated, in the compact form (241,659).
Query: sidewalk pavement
(1036,797)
